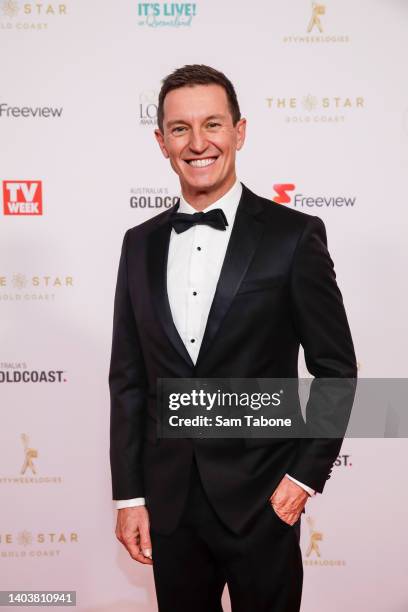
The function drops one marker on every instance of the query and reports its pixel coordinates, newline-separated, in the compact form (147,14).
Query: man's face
(200,139)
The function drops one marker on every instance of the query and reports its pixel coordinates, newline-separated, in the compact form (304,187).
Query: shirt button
(194,292)
(198,248)
(192,340)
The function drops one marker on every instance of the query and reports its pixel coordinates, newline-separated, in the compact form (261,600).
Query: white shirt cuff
(130,503)
(305,487)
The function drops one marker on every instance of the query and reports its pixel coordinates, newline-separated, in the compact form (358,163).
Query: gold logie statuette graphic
(29,455)
(314,538)
(317,11)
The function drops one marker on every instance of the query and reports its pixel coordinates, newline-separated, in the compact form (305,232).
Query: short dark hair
(197,74)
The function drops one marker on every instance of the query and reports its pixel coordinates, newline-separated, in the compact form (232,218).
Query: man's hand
(133,531)
(288,500)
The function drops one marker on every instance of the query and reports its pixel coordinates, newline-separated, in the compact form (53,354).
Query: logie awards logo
(314,538)
(317,11)
(148,101)
(26,472)
(314,554)
(29,455)
(316,30)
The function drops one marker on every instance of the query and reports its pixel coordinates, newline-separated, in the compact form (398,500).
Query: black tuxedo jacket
(277,289)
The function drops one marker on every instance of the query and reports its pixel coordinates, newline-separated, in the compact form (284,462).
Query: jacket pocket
(259,284)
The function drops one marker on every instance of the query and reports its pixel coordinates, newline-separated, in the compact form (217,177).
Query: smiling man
(225,284)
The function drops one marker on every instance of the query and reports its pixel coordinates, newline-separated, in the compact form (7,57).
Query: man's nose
(198,143)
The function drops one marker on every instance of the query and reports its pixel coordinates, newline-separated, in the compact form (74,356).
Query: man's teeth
(201,163)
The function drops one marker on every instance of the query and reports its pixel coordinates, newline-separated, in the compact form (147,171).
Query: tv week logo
(22,198)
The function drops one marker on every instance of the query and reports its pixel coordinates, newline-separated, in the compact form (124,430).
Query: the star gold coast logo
(10,8)
(315,30)
(29,15)
(29,544)
(313,552)
(28,468)
(312,108)
(20,287)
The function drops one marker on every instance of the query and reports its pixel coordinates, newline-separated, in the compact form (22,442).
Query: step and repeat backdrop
(323,88)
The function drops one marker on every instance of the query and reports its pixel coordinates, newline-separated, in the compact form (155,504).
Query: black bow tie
(214,218)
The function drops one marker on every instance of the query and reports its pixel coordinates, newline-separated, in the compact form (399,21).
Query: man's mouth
(201,163)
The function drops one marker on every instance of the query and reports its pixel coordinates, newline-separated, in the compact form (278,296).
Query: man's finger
(136,553)
(145,542)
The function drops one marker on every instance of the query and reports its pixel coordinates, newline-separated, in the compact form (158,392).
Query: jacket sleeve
(321,323)
(127,384)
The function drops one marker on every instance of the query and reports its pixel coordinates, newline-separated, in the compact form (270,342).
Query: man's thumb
(145,543)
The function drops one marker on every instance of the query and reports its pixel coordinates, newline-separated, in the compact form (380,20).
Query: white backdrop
(328,113)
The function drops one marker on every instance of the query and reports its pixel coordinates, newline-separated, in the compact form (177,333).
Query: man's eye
(178,129)
(213,124)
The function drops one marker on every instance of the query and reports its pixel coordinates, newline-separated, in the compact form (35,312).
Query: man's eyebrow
(178,121)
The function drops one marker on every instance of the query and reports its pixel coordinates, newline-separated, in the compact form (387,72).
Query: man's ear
(160,140)
(241,131)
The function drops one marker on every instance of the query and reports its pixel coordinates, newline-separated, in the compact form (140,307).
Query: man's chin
(202,184)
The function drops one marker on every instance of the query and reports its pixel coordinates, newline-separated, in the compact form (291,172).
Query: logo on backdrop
(27,470)
(315,27)
(19,372)
(284,195)
(22,198)
(317,11)
(29,15)
(166,14)
(30,112)
(20,287)
(343,461)
(29,544)
(314,538)
(315,109)
(29,455)
(151,197)
(314,549)
(148,108)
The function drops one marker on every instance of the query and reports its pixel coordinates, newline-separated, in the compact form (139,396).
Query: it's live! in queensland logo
(166,14)
(22,198)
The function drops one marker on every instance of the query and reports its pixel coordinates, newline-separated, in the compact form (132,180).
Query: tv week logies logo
(22,198)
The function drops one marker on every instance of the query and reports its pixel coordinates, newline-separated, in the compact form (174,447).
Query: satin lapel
(158,249)
(244,239)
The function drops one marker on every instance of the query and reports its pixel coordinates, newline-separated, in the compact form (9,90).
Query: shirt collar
(228,203)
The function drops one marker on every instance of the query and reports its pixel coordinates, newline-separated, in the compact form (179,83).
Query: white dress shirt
(193,268)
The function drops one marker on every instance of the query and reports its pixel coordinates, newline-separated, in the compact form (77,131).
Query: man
(224,284)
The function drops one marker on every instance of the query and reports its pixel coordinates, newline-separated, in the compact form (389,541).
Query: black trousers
(263,567)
